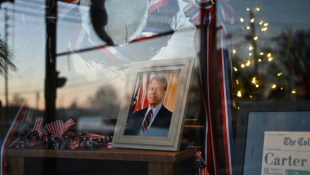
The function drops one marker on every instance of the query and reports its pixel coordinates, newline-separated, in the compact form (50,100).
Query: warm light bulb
(279,74)
(242,65)
(248,27)
(281,88)
(262,53)
(247,9)
(234,51)
(255,38)
(274,86)
(248,63)
(237,81)
(253,80)
(259,60)
(250,48)
(269,55)
(257,9)
(235,69)
(241,19)
(239,94)
(266,24)
(250,54)
(294,91)
(270,59)
(252,20)
(257,85)
(260,23)
(250,96)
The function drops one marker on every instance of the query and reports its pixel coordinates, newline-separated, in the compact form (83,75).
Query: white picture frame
(181,68)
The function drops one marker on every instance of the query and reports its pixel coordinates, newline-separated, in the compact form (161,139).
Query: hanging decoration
(203,15)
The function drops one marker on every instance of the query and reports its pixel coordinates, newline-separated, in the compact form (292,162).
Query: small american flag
(202,170)
(58,127)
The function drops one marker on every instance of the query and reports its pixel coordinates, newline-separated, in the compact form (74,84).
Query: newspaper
(286,153)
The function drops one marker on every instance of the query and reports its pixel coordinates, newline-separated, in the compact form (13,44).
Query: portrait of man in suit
(155,119)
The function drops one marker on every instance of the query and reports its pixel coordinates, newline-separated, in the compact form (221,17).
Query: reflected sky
(86,72)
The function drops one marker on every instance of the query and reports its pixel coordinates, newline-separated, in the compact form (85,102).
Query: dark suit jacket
(159,127)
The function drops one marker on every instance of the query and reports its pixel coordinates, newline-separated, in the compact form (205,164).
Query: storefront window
(97,41)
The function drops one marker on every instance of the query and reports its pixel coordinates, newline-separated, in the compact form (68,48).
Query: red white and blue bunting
(204,17)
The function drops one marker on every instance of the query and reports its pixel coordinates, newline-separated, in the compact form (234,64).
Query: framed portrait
(264,132)
(153,110)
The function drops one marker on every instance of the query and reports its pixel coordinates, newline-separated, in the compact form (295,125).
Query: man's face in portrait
(156,93)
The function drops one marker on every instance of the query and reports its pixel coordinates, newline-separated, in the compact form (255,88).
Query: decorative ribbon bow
(58,127)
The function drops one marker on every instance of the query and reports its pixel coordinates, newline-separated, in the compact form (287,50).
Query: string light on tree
(294,91)
(247,9)
(248,27)
(250,54)
(257,86)
(239,94)
(241,19)
(250,48)
(256,38)
(234,51)
(252,20)
(270,58)
(262,53)
(253,80)
(248,63)
(266,24)
(274,86)
(259,60)
(242,65)
(260,23)
(257,9)
(269,55)
(279,74)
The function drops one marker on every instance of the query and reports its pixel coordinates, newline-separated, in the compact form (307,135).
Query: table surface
(105,153)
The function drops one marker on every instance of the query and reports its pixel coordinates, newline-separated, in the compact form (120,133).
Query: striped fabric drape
(215,77)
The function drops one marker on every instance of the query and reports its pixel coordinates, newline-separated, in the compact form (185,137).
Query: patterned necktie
(146,122)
